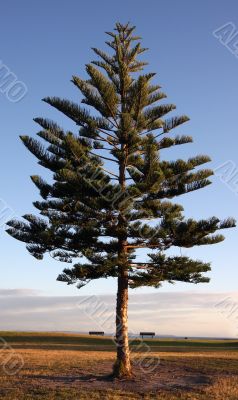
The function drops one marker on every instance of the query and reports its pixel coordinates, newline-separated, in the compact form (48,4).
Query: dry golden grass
(50,374)
(61,374)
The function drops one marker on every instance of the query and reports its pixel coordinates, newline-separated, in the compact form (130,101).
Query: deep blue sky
(44,43)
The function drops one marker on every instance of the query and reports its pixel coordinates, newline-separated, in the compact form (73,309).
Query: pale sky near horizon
(181,314)
(45,43)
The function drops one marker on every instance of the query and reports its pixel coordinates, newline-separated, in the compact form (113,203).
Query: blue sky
(45,43)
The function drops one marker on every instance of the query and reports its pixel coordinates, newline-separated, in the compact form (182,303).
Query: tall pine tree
(109,180)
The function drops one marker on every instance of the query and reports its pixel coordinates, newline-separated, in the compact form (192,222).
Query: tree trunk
(122,367)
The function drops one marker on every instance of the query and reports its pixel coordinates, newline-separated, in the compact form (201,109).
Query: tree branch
(105,158)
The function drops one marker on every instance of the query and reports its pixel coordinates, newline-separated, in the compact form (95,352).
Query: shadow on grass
(69,379)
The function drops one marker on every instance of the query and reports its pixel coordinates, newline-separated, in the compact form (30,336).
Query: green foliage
(109,178)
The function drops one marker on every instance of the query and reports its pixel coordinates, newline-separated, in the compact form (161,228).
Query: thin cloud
(18,292)
(175,314)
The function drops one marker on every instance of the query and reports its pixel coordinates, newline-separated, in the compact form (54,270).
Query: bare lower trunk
(122,367)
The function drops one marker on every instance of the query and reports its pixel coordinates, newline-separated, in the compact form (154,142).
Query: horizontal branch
(137,246)
(105,158)
(109,172)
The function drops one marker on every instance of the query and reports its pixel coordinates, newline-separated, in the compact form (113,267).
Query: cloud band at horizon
(168,314)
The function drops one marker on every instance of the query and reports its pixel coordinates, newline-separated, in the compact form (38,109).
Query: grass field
(68,366)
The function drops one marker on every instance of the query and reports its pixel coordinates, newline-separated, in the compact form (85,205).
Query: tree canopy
(110,180)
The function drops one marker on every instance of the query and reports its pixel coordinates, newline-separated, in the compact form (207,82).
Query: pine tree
(109,182)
